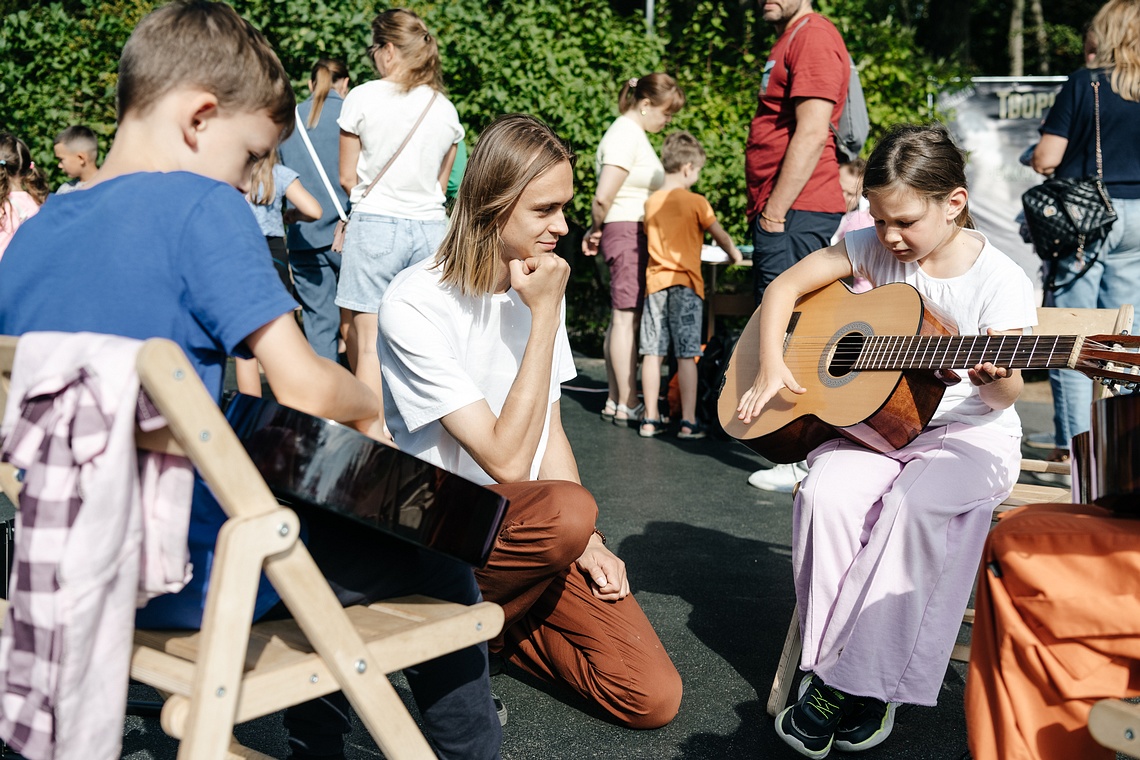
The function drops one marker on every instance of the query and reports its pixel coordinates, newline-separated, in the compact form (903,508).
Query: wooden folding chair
(1050,321)
(231,671)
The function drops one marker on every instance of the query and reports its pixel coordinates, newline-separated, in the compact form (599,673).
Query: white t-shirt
(994,293)
(625,146)
(382,114)
(441,350)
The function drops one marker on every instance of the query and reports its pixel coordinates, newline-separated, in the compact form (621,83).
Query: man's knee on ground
(574,513)
(655,703)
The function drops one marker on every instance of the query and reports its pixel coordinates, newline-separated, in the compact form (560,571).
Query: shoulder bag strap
(320,167)
(404,144)
(1099,156)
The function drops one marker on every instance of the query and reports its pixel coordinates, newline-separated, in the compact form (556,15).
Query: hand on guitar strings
(984,374)
(998,387)
(988,372)
(770,380)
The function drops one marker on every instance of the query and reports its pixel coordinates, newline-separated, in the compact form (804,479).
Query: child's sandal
(609,410)
(691,430)
(627,415)
(651,428)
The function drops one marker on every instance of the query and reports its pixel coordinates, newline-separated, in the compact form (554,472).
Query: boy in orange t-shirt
(676,220)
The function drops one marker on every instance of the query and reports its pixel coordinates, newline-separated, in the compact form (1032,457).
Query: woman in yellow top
(628,171)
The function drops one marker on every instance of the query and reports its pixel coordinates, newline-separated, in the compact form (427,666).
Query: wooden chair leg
(788,667)
(205,726)
(363,681)
(238,752)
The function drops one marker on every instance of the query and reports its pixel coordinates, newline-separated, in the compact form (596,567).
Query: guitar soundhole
(846,352)
(839,356)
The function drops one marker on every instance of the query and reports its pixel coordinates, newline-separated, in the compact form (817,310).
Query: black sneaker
(810,724)
(868,725)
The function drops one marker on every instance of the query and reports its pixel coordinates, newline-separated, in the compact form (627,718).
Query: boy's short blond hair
(681,148)
(197,43)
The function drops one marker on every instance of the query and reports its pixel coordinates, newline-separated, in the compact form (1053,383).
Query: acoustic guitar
(875,369)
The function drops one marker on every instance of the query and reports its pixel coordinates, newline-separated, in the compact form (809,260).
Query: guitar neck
(898,352)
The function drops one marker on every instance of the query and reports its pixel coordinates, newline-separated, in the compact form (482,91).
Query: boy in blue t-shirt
(162,244)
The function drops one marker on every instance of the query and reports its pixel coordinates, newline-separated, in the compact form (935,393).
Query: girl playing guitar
(885,545)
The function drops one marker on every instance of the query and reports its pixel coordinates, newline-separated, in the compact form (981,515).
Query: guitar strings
(885,348)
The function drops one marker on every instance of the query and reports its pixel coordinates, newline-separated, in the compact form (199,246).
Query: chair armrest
(1040,465)
(1115,724)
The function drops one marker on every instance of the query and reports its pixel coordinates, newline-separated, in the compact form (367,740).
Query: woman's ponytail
(326,73)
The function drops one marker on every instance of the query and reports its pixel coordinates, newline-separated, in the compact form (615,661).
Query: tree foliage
(562,60)
(58,68)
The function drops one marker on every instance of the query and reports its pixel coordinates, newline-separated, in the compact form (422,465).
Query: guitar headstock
(1113,360)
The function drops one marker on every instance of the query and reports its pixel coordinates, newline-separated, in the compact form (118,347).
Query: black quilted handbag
(1066,214)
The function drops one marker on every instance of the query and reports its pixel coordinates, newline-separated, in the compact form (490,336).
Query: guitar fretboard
(896,352)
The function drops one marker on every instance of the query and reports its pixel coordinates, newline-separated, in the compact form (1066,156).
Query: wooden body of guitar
(883,410)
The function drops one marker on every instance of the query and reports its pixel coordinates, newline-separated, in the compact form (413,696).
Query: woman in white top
(628,171)
(402,219)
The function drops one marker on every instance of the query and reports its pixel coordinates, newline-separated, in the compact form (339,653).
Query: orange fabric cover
(1056,632)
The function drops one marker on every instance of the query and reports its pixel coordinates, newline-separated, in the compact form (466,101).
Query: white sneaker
(782,478)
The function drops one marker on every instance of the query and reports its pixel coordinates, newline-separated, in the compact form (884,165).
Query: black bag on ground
(710,378)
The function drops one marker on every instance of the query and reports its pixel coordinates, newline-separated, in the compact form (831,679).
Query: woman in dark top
(316,268)
(1068,149)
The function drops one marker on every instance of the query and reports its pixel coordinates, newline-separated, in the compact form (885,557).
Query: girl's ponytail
(627,98)
(418,48)
(261,187)
(35,183)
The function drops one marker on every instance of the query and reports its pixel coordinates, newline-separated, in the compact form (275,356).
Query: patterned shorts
(673,313)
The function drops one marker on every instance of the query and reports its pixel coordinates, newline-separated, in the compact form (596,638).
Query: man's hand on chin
(540,281)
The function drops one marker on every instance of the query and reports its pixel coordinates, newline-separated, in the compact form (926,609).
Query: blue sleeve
(283,176)
(1059,119)
(231,285)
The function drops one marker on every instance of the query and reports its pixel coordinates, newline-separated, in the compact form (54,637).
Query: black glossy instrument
(314,461)
(1114,450)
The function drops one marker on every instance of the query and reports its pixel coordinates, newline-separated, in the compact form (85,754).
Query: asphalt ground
(709,560)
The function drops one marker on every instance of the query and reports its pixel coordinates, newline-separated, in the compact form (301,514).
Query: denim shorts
(376,249)
(672,315)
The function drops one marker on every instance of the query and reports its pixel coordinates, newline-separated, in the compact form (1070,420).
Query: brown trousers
(555,629)
(1056,631)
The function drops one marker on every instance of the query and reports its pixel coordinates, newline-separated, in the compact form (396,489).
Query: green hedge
(562,60)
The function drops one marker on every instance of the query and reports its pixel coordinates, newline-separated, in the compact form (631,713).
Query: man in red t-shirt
(795,202)
(794,198)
